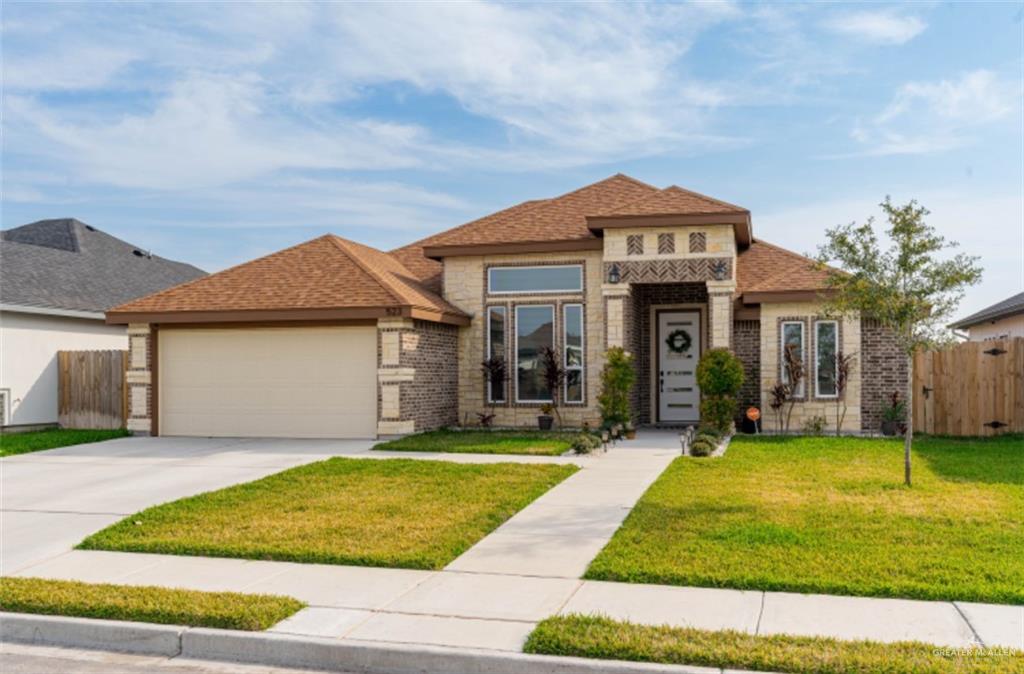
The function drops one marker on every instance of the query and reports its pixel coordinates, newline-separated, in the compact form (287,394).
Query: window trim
(803,357)
(582,367)
(576,265)
(554,333)
(490,353)
(817,359)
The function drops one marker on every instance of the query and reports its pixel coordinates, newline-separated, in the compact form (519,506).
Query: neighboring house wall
(810,405)
(883,370)
(29,343)
(1011,326)
(418,376)
(465,287)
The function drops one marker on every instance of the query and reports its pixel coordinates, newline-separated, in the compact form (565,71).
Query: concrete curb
(110,635)
(281,650)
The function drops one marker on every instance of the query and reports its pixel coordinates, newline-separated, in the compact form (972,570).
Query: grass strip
(225,610)
(22,443)
(604,638)
(482,442)
(405,513)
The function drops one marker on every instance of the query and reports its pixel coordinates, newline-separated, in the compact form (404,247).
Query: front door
(678,353)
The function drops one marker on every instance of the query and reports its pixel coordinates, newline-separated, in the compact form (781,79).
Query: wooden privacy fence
(91,389)
(974,388)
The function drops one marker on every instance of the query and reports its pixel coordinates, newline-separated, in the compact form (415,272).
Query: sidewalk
(529,569)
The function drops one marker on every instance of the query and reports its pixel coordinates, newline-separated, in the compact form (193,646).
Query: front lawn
(395,512)
(831,515)
(483,442)
(595,637)
(225,610)
(21,443)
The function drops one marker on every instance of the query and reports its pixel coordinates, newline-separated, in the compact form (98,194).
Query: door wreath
(678,341)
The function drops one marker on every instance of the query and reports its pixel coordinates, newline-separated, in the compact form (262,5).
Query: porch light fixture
(614,275)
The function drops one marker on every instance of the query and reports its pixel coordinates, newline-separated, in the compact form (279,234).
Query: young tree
(495,372)
(617,378)
(795,371)
(907,286)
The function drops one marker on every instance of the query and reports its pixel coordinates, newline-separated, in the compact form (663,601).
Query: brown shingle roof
(562,218)
(765,267)
(672,201)
(326,273)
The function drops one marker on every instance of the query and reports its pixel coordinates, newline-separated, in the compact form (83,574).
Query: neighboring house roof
(1011,306)
(328,277)
(764,269)
(68,267)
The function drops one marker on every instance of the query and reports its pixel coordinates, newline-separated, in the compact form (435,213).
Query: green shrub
(617,379)
(584,443)
(719,373)
(701,447)
(815,425)
(718,412)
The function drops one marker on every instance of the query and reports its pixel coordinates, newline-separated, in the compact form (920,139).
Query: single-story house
(331,338)
(57,278)
(1002,320)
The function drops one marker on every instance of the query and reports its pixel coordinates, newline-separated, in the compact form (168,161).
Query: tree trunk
(908,436)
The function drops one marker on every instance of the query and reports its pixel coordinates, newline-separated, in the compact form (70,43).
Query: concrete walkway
(528,569)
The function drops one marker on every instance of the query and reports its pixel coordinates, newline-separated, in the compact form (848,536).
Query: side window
(496,347)
(572,340)
(793,340)
(826,346)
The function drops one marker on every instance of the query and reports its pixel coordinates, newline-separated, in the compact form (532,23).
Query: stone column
(616,311)
(393,336)
(720,312)
(139,379)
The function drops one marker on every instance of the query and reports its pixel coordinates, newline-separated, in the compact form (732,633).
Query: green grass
(596,637)
(483,442)
(226,610)
(831,515)
(21,443)
(368,512)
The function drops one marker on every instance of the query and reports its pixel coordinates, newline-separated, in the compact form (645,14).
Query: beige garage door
(269,382)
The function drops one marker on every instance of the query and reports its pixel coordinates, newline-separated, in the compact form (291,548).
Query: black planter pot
(545,421)
(890,428)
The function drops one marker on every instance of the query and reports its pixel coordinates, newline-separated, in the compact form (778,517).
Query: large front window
(566,278)
(496,349)
(572,341)
(793,342)
(826,338)
(535,331)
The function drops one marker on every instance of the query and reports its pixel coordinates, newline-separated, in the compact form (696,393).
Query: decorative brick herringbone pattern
(666,243)
(669,271)
(635,244)
(698,242)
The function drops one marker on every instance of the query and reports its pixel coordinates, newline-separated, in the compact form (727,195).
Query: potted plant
(630,431)
(545,420)
(894,415)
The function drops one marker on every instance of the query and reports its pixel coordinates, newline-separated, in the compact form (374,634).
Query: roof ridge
(705,196)
(342,244)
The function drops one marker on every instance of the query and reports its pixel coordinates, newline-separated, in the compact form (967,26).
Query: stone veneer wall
(809,406)
(883,369)
(644,296)
(465,287)
(140,378)
(746,336)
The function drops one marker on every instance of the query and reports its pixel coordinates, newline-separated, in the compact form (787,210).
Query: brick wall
(883,369)
(643,298)
(431,398)
(746,337)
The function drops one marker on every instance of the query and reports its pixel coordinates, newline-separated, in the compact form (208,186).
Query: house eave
(51,311)
(740,221)
(339,315)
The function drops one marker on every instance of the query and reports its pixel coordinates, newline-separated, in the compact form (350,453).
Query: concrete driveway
(51,500)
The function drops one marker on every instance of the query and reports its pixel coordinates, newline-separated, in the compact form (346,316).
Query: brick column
(393,336)
(720,313)
(140,379)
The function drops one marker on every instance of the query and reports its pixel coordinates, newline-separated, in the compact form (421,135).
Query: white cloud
(883,27)
(931,117)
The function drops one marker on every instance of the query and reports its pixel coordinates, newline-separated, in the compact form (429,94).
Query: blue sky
(215,133)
